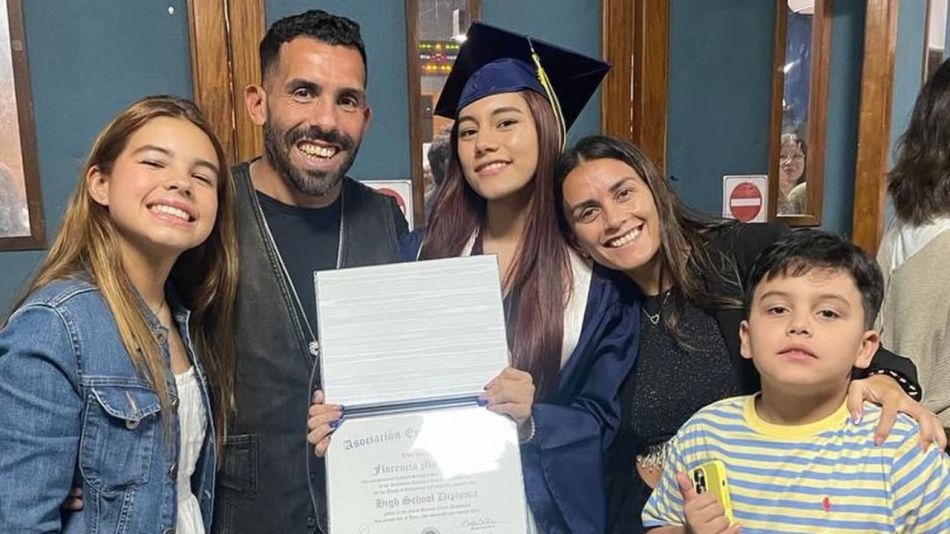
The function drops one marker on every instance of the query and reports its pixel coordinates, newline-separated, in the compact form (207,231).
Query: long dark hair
(684,256)
(919,183)
(540,273)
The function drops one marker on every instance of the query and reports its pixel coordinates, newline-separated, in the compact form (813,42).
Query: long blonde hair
(205,277)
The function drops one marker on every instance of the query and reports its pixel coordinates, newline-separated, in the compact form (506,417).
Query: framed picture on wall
(21,205)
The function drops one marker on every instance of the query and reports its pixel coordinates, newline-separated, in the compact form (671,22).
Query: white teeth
(493,166)
(174,212)
(624,239)
(317,151)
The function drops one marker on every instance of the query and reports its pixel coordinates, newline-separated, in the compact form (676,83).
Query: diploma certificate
(442,471)
(406,349)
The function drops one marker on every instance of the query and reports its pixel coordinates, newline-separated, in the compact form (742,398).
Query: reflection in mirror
(797,70)
(791,176)
(802,42)
(936,38)
(440,27)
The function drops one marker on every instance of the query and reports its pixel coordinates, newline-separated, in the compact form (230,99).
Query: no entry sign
(744,198)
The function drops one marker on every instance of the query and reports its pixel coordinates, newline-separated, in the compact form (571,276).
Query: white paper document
(410,331)
(406,349)
(441,471)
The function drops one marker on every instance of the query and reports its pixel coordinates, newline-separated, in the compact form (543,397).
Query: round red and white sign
(396,195)
(745,201)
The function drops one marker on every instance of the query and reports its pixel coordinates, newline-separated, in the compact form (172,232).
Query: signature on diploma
(479,523)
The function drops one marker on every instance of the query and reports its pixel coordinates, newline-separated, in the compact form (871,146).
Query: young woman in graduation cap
(570,331)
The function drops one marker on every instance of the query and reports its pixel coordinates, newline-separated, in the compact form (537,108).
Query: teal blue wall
(88,60)
(908,65)
(720,96)
(720,93)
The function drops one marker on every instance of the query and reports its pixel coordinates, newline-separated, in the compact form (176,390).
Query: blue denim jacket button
(131,424)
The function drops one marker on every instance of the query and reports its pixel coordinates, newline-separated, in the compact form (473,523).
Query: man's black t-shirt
(308,240)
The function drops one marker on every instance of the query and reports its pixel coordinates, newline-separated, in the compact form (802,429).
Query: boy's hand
(887,393)
(704,514)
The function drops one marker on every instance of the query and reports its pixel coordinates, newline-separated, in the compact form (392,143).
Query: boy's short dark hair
(315,24)
(803,250)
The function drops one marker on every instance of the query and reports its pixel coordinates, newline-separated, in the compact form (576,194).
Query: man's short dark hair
(805,250)
(315,24)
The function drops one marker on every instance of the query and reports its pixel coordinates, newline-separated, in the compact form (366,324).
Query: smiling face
(314,113)
(162,189)
(792,163)
(613,215)
(808,331)
(498,146)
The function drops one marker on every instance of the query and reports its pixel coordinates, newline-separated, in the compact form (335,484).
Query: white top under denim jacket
(76,412)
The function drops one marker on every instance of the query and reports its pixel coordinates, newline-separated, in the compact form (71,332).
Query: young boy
(794,459)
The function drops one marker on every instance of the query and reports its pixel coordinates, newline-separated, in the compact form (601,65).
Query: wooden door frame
(635,41)
(224,37)
(874,123)
(415,103)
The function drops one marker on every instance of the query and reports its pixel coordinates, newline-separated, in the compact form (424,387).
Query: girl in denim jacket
(116,368)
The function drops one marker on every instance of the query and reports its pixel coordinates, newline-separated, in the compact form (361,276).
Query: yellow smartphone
(711,477)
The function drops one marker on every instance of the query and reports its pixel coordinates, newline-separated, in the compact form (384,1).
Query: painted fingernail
(482,401)
(335,424)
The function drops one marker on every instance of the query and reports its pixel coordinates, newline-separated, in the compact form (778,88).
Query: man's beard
(314,183)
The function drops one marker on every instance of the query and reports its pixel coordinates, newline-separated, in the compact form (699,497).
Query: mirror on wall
(435,31)
(799,99)
(935,40)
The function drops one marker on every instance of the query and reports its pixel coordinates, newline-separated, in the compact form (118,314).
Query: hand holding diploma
(322,420)
(511,393)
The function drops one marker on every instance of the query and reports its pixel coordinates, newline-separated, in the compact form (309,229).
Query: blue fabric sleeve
(40,419)
(410,245)
(566,455)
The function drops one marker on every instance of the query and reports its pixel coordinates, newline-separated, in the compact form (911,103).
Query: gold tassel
(552,96)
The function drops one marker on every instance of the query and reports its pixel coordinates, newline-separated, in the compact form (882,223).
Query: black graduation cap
(493,60)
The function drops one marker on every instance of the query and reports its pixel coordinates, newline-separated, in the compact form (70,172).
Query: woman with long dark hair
(117,367)
(571,333)
(915,317)
(691,272)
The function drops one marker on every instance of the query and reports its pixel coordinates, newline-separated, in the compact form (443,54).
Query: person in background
(791,182)
(438,157)
(116,368)
(692,274)
(915,319)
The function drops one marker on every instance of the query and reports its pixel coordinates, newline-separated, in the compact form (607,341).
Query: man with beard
(297,213)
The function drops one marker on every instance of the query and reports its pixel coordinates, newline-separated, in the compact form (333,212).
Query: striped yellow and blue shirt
(826,476)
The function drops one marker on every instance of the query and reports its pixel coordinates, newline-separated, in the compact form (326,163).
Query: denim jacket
(75,412)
